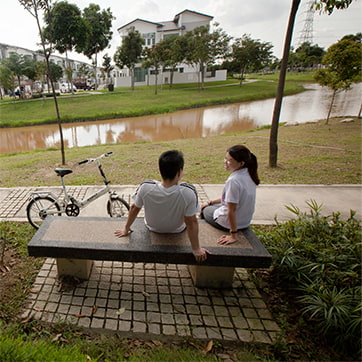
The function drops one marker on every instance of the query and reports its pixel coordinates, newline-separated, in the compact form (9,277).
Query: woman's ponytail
(242,154)
(252,166)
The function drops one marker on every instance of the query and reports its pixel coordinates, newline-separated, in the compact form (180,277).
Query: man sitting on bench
(170,206)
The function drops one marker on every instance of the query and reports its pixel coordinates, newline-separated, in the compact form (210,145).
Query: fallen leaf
(26,320)
(120,311)
(178,310)
(38,309)
(34,291)
(209,346)
(157,343)
(224,356)
(194,344)
(94,310)
(145,294)
(57,337)
(79,315)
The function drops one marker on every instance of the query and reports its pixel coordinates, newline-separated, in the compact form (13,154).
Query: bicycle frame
(69,199)
(44,203)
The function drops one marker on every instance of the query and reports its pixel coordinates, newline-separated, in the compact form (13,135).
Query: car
(67,87)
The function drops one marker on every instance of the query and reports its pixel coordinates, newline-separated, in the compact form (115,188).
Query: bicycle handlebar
(89,160)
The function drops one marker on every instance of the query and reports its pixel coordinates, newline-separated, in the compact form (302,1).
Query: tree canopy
(205,47)
(343,66)
(130,52)
(249,55)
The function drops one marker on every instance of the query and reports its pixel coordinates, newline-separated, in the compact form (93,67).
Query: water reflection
(201,122)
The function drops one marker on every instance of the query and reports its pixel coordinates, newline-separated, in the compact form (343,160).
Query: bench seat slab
(93,238)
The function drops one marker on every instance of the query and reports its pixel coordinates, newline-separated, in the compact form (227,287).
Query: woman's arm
(211,202)
(231,238)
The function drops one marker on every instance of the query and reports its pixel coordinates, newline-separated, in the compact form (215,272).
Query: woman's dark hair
(169,163)
(241,153)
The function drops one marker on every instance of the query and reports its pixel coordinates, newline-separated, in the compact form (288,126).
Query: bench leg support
(78,268)
(212,276)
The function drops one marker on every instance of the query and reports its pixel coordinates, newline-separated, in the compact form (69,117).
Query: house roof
(166,24)
(138,19)
(191,11)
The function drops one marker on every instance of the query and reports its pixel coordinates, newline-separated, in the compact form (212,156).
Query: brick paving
(14,201)
(156,299)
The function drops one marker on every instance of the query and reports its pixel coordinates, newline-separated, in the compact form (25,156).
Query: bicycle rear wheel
(38,209)
(117,207)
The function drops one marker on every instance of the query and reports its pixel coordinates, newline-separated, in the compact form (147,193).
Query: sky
(264,20)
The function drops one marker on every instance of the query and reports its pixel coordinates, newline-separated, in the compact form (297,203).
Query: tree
(17,64)
(154,59)
(107,67)
(7,79)
(204,48)
(325,5)
(130,52)
(173,53)
(34,7)
(66,30)
(99,34)
(343,62)
(250,55)
(308,55)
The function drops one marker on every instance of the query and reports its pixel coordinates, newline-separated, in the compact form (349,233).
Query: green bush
(319,259)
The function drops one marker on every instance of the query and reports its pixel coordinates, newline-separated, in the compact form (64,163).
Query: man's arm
(132,214)
(192,228)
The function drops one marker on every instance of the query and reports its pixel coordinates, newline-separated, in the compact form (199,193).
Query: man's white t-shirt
(239,189)
(166,208)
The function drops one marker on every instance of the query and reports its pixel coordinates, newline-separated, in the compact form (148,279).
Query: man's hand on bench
(200,254)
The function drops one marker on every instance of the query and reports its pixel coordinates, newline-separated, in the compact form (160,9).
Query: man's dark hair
(169,163)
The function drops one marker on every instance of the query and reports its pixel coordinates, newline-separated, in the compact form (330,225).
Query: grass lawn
(312,153)
(90,106)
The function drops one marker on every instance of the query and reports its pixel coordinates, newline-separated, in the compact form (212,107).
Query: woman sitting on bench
(235,209)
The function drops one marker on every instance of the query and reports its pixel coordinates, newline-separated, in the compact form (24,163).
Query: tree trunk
(47,56)
(331,105)
(95,72)
(203,76)
(132,78)
(171,76)
(273,141)
(156,76)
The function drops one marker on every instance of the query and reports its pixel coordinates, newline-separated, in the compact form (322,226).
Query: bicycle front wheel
(117,207)
(39,208)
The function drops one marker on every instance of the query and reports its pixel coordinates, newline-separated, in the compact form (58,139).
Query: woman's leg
(208,215)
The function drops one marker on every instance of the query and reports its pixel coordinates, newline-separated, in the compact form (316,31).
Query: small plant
(319,259)
(4,231)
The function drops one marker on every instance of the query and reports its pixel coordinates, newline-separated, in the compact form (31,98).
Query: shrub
(319,259)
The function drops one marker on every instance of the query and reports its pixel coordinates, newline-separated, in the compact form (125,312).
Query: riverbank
(312,153)
(93,106)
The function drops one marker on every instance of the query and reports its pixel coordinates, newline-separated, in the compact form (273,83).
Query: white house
(153,33)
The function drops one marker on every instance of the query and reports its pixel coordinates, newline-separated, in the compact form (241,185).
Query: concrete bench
(76,242)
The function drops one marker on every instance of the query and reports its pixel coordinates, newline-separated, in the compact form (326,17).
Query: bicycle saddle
(63,171)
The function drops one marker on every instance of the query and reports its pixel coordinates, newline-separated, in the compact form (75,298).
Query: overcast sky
(265,20)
